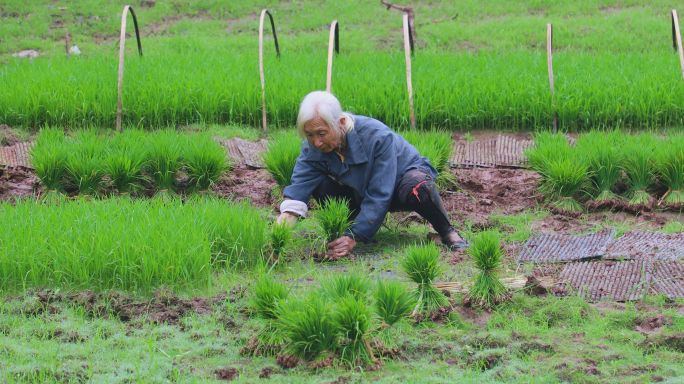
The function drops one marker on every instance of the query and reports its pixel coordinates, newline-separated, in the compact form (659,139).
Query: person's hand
(288,218)
(340,247)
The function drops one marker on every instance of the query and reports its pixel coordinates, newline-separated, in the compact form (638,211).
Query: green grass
(125,244)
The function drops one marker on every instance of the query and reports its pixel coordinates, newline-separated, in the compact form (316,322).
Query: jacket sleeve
(378,195)
(306,176)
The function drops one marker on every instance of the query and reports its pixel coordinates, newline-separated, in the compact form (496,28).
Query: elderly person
(362,160)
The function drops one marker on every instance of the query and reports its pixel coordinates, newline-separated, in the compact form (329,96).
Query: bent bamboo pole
(122,50)
(333,44)
(408,50)
(549,64)
(677,39)
(265,12)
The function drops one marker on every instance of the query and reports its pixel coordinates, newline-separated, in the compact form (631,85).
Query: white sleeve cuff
(294,206)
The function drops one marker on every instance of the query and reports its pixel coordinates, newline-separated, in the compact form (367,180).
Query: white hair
(326,106)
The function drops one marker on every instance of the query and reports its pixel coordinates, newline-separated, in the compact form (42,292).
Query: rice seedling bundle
(564,173)
(281,236)
(562,181)
(308,326)
(669,159)
(120,243)
(352,319)
(639,168)
(334,218)
(281,155)
(392,301)
(487,289)
(422,266)
(603,155)
(351,284)
(268,294)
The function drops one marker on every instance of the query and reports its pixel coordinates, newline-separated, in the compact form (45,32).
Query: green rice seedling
(547,146)
(281,237)
(392,301)
(422,265)
(669,159)
(487,290)
(49,158)
(437,146)
(205,161)
(268,294)
(639,168)
(85,167)
(237,232)
(308,326)
(562,180)
(603,156)
(116,243)
(164,159)
(125,161)
(281,155)
(351,284)
(352,319)
(334,218)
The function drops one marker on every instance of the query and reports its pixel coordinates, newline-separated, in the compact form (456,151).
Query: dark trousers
(416,191)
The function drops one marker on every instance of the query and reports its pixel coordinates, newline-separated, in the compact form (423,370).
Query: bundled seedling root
(487,289)
(422,265)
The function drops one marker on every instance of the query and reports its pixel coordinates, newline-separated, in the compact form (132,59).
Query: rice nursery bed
(214,84)
(126,243)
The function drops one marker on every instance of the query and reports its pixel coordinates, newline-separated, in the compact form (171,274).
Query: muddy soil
(483,191)
(17,182)
(163,307)
(244,183)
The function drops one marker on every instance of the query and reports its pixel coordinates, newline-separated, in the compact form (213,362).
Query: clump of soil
(227,374)
(266,373)
(254,185)
(287,361)
(17,182)
(673,342)
(652,324)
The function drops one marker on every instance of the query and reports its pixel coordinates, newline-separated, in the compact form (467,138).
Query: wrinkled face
(321,136)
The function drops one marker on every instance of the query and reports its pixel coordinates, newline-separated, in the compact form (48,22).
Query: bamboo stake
(549,63)
(409,83)
(122,50)
(265,12)
(677,39)
(333,44)
(67,43)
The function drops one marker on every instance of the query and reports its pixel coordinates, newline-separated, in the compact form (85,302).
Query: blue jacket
(375,160)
